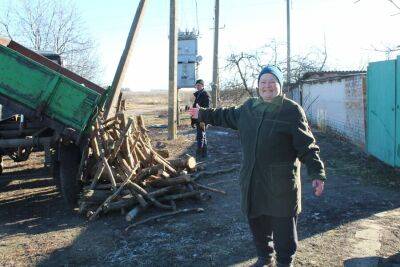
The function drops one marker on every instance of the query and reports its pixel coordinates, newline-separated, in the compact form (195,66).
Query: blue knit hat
(273,70)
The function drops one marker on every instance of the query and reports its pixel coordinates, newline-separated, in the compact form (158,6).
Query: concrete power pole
(173,61)
(288,41)
(215,82)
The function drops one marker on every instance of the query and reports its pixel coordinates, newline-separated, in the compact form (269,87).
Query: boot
(278,264)
(264,262)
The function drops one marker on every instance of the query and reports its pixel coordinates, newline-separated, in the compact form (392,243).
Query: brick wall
(338,104)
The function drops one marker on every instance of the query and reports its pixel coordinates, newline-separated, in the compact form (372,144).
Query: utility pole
(288,41)
(173,61)
(215,82)
(111,105)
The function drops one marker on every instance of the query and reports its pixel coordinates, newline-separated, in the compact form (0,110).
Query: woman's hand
(318,186)
(194,112)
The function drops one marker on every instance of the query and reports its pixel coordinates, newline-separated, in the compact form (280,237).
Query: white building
(335,99)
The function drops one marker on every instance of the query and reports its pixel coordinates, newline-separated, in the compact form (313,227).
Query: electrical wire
(197,18)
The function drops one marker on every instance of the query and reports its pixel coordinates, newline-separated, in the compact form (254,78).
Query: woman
(275,138)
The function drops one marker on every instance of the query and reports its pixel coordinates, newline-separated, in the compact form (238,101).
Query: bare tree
(388,50)
(56,26)
(243,68)
(395,4)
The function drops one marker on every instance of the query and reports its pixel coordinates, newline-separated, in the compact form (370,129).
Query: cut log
(184,179)
(187,162)
(146,172)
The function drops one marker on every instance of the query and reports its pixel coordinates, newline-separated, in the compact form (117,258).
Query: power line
(197,18)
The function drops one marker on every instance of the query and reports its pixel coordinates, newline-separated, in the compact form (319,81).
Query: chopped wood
(184,179)
(123,172)
(187,162)
(110,198)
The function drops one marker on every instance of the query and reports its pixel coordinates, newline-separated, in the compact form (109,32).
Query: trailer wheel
(68,165)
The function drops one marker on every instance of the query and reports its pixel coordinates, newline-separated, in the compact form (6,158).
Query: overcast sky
(351,29)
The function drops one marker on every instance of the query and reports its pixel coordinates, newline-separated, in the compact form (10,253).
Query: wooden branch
(163,174)
(124,164)
(141,157)
(114,134)
(95,148)
(107,166)
(160,160)
(116,193)
(155,218)
(112,119)
(146,172)
(125,134)
(95,195)
(97,176)
(184,179)
(132,145)
(127,151)
(140,123)
(122,203)
(209,188)
(110,125)
(143,192)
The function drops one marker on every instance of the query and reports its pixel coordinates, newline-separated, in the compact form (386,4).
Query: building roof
(331,74)
(325,76)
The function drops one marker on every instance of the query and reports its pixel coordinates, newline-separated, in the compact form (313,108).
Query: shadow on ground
(219,236)
(392,261)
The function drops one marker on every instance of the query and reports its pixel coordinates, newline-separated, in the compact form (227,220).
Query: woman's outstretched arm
(224,117)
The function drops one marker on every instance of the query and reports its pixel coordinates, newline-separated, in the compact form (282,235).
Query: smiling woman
(270,82)
(275,138)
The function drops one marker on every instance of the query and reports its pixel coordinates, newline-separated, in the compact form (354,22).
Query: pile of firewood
(125,173)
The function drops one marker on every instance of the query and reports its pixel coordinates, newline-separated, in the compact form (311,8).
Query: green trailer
(53,110)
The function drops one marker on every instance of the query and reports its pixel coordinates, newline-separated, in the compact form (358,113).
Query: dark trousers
(201,137)
(277,234)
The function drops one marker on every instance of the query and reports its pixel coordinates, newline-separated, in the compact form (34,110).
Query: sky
(350,29)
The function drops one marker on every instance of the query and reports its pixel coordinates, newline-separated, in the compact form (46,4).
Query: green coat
(275,138)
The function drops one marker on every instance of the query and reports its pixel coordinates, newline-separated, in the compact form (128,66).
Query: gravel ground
(355,223)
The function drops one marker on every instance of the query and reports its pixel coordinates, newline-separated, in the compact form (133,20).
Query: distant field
(145,102)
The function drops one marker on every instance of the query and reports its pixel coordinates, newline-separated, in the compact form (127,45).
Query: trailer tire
(68,165)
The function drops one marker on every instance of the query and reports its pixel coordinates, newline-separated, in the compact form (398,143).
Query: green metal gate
(383,112)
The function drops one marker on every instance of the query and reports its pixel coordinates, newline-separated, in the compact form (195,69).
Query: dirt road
(355,223)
